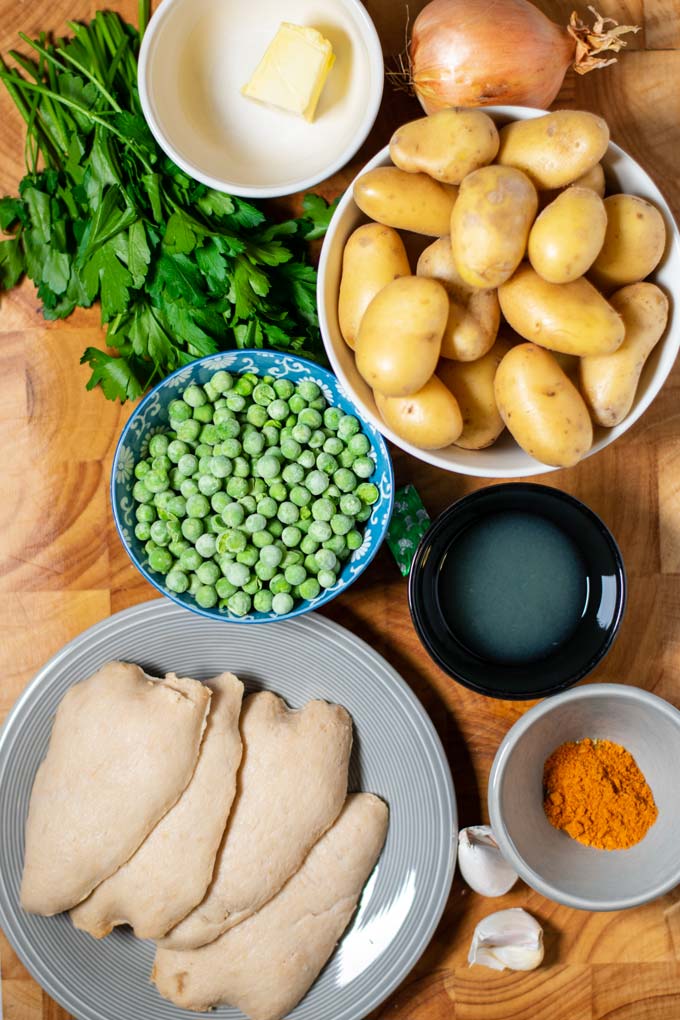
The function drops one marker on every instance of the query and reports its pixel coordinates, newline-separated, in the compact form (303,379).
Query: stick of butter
(293,70)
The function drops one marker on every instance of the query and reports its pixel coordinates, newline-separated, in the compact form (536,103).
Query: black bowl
(564,664)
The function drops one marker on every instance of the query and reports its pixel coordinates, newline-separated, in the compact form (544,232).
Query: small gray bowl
(549,860)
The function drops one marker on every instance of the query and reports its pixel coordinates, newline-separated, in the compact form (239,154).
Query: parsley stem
(76,63)
(143,14)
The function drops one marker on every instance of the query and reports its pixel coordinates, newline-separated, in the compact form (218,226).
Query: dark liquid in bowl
(512,587)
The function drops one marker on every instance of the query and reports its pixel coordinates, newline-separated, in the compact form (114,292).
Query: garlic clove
(481,862)
(509,939)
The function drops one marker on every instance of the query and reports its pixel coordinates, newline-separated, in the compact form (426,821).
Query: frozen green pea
(363,467)
(188,431)
(177,581)
(288,513)
(142,468)
(290,449)
(327,463)
(253,443)
(364,514)
(243,386)
(209,435)
(211,393)
(188,488)
(241,467)
(317,482)
(277,410)
(145,512)
(203,414)
(214,524)
(297,403)
(301,433)
(221,381)
(204,463)
(160,560)
(292,474)
(264,571)
(271,555)
(158,445)
(187,464)
(310,416)
(208,485)
(235,401)
(161,499)
(233,515)
(189,560)
(192,528)
(225,588)
(282,603)
(233,541)
(326,578)
(333,445)
(206,596)
(278,491)
(308,389)
(333,492)
(258,487)
(194,584)
(237,487)
(310,564)
(143,531)
(255,522)
(155,481)
(354,540)
(206,545)
(262,538)
(284,388)
(350,504)
(322,509)
(310,588)
(267,507)
(219,502)
(279,584)
(238,574)
(320,531)
(305,519)
(341,524)
(346,458)
(359,444)
(256,415)
(308,545)
(263,394)
(249,503)
(267,466)
(300,495)
(159,533)
(336,544)
(332,417)
(262,601)
(178,410)
(222,414)
(231,447)
(367,493)
(175,478)
(271,434)
(276,528)
(252,586)
(317,439)
(345,479)
(326,559)
(194,396)
(220,466)
(295,573)
(348,426)
(291,556)
(291,536)
(161,463)
(227,431)
(239,603)
(307,459)
(198,506)
(319,404)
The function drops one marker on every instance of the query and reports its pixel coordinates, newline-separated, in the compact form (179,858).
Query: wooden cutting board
(62,567)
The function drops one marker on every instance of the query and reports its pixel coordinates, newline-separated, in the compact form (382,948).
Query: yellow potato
(471,383)
(447,146)
(556,149)
(541,408)
(400,336)
(572,318)
(567,236)
(593,179)
(405,201)
(633,244)
(473,314)
(609,382)
(373,256)
(490,224)
(429,419)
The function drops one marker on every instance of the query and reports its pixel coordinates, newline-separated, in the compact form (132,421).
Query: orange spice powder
(594,790)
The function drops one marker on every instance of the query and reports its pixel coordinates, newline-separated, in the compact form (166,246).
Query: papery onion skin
(478,53)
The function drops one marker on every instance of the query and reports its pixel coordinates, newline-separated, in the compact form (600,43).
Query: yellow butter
(293,70)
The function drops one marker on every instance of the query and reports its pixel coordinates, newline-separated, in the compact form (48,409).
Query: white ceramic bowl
(196,56)
(504,459)
(549,860)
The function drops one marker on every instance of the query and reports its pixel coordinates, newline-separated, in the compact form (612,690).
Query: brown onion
(477,53)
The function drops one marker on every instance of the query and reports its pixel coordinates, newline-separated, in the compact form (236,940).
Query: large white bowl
(196,56)
(505,459)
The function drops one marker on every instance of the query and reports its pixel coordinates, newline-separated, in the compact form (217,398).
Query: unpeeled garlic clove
(481,862)
(509,939)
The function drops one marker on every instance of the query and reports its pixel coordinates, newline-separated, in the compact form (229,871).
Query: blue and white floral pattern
(151,417)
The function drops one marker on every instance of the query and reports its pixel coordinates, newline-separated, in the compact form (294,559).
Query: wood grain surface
(62,567)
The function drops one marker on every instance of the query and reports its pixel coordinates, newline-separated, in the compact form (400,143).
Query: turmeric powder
(594,790)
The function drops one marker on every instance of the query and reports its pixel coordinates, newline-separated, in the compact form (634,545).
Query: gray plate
(397,755)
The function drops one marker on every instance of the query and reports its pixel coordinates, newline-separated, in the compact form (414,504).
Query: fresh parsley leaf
(12,265)
(179,237)
(115,375)
(12,211)
(319,213)
(139,254)
(152,186)
(104,271)
(177,275)
(212,265)
(216,203)
(56,271)
(38,205)
(302,281)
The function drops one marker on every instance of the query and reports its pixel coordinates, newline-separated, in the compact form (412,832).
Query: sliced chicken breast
(122,750)
(158,886)
(291,787)
(268,963)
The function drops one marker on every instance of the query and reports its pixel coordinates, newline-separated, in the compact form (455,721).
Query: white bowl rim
(533,467)
(374,99)
(516,732)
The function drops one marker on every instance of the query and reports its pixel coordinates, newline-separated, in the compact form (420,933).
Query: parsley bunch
(180,270)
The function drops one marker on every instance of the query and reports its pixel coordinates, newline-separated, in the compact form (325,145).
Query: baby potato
(374,256)
(400,335)
(567,236)
(490,224)
(474,314)
(447,146)
(609,382)
(633,244)
(572,318)
(471,383)
(405,201)
(541,408)
(429,419)
(593,179)
(556,149)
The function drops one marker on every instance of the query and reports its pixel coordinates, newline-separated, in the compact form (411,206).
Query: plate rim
(53,984)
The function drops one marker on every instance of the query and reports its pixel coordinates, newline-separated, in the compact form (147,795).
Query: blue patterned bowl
(151,417)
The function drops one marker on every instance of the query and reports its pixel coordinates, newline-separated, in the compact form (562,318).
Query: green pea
(249,503)
(317,482)
(326,578)
(178,546)
(263,394)
(249,556)
(345,479)
(203,414)
(197,506)
(295,574)
(262,538)
(292,556)
(241,467)
(297,403)
(367,493)
(161,499)
(239,603)
(311,566)
(161,464)
(276,528)
(291,536)
(219,502)
(282,603)
(206,596)
(301,433)
(317,439)
(288,512)
(279,584)
(292,474)
(255,522)
(206,545)
(326,559)
(341,524)
(363,515)
(194,584)
(188,431)
(308,390)
(220,466)
(258,487)
(208,485)
(189,560)
(290,449)
(159,533)
(271,555)
(177,581)
(267,507)
(333,445)
(319,404)
(320,531)
(143,531)
(333,492)
(310,588)
(187,464)
(228,430)
(262,601)
(225,588)
(237,487)
(243,386)
(209,435)
(252,586)
(146,513)
(221,415)
(284,389)
(264,571)
(158,445)
(300,495)
(188,488)
(346,458)
(267,467)
(214,524)
(233,515)
(310,416)
(354,540)
(332,417)
(278,491)
(271,434)
(208,572)
(235,401)
(233,541)
(363,467)
(194,396)
(142,468)
(211,393)
(336,544)
(322,509)
(178,410)
(254,443)
(278,410)
(221,381)
(348,426)
(256,415)
(238,574)
(308,545)
(155,481)
(160,560)
(307,459)
(192,528)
